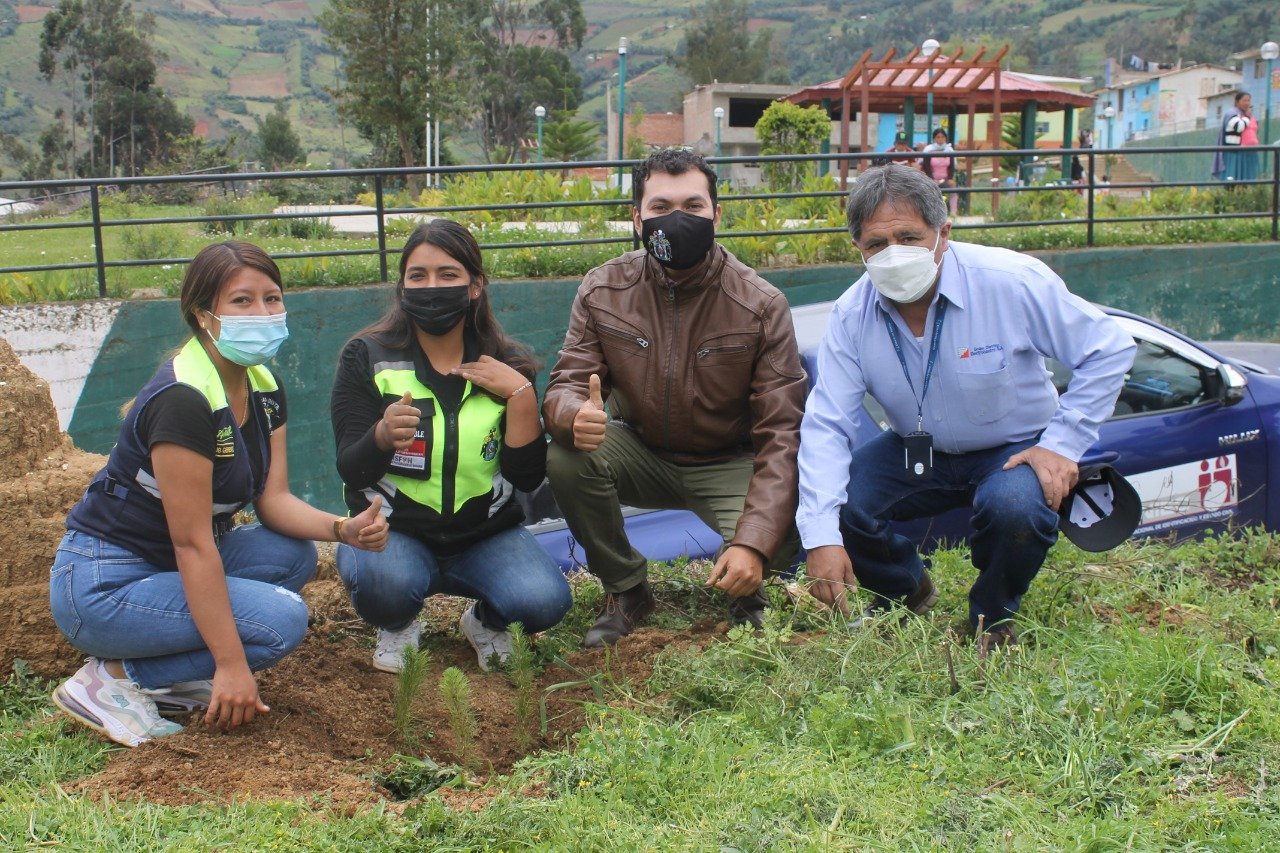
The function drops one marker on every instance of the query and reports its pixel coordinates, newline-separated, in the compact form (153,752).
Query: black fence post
(1089,225)
(382,228)
(1275,193)
(97,241)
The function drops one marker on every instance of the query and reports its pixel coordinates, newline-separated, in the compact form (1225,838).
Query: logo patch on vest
(271,409)
(490,448)
(224,444)
(660,246)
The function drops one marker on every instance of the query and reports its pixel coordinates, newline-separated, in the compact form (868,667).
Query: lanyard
(933,356)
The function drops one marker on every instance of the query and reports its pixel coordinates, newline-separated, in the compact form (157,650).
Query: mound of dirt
(330,732)
(41,476)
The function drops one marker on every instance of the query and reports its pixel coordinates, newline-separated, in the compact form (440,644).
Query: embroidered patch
(962,352)
(224,444)
(660,246)
(271,409)
(490,448)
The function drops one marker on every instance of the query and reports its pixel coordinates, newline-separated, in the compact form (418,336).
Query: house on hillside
(1148,105)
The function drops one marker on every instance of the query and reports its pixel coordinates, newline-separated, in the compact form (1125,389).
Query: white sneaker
(488,644)
(116,707)
(389,655)
(184,697)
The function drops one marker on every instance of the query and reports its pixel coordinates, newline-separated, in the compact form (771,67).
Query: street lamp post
(540,112)
(622,105)
(1109,113)
(927,50)
(1269,52)
(718,112)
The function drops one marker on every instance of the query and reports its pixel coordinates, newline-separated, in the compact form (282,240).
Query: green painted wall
(1222,292)
(1205,291)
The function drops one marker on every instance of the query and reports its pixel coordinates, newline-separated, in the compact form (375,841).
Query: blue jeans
(112,604)
(509,573)
(1013,527)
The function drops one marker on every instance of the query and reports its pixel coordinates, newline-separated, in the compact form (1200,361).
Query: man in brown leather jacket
(696,356)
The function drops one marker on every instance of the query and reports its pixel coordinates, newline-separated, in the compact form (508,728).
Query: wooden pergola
(976,84)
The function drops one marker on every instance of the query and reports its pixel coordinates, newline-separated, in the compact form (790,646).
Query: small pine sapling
(455,693)
(521,671)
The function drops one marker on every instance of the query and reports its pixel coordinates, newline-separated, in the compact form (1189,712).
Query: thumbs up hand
(398,425)
(369,527)
(589,423)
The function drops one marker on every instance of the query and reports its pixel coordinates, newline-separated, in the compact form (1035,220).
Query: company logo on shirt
(973,352)
(224,444)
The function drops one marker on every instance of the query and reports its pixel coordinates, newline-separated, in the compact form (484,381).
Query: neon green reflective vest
(448,480)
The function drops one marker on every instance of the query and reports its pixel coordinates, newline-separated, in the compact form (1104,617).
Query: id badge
(917,449)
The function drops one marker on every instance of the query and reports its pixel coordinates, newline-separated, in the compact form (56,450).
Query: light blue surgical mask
(249,341)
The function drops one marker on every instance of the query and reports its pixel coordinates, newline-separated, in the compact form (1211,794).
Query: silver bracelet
(523,387)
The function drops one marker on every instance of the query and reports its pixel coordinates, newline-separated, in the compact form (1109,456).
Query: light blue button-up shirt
(990,385)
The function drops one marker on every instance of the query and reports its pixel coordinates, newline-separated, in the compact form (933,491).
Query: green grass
(1139,713)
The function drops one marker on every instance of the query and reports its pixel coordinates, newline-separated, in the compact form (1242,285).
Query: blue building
(1147,105)
(1253,69)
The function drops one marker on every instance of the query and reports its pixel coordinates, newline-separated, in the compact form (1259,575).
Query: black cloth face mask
(678,240)
(436,310)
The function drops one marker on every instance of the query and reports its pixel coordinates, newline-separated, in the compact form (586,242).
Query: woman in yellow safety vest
(435,414)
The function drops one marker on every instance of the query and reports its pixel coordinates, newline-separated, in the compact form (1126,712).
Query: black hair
(672,161)
(395,329)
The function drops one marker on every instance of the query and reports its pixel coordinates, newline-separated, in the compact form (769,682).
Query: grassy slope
(196,45)
(1140,713)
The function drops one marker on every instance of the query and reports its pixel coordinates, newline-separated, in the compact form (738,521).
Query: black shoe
(749,609)
(919,602)
(621,614)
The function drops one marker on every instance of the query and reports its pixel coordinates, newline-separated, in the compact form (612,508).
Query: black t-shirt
(181,415)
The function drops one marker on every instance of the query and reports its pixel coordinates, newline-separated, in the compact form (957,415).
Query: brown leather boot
(919,602)
(621,614)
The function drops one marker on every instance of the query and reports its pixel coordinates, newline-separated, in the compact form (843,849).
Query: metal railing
(967,164)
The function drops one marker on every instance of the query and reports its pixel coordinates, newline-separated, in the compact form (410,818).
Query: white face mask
(903,273)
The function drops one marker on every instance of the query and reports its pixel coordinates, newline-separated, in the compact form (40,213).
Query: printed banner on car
(1207,490)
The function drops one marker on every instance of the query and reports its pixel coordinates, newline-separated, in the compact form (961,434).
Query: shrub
(151,242)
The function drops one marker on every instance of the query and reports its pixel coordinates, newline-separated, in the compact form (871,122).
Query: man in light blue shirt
(951,338)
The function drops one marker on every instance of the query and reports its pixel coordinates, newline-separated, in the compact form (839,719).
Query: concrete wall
(1204,291)
(60,342)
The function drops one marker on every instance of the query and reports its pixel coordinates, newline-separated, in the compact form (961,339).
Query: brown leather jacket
(703,371)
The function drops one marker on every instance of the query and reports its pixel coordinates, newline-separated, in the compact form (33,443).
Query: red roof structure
(975,85)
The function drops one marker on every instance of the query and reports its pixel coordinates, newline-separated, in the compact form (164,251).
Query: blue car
(1192,431)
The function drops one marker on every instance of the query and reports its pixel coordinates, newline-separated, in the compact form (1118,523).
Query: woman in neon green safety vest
(177,604)
(435,415)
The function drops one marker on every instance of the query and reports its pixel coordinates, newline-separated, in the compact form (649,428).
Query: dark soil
(329,732)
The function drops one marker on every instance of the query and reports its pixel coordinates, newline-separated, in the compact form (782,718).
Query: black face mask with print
(436,310)
(678,240)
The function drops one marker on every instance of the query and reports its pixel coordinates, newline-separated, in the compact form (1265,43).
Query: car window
(1159,380)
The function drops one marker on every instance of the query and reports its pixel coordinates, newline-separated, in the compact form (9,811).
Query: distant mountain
(228,63)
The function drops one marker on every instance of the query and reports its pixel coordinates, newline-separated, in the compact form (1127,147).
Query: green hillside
(228,63)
